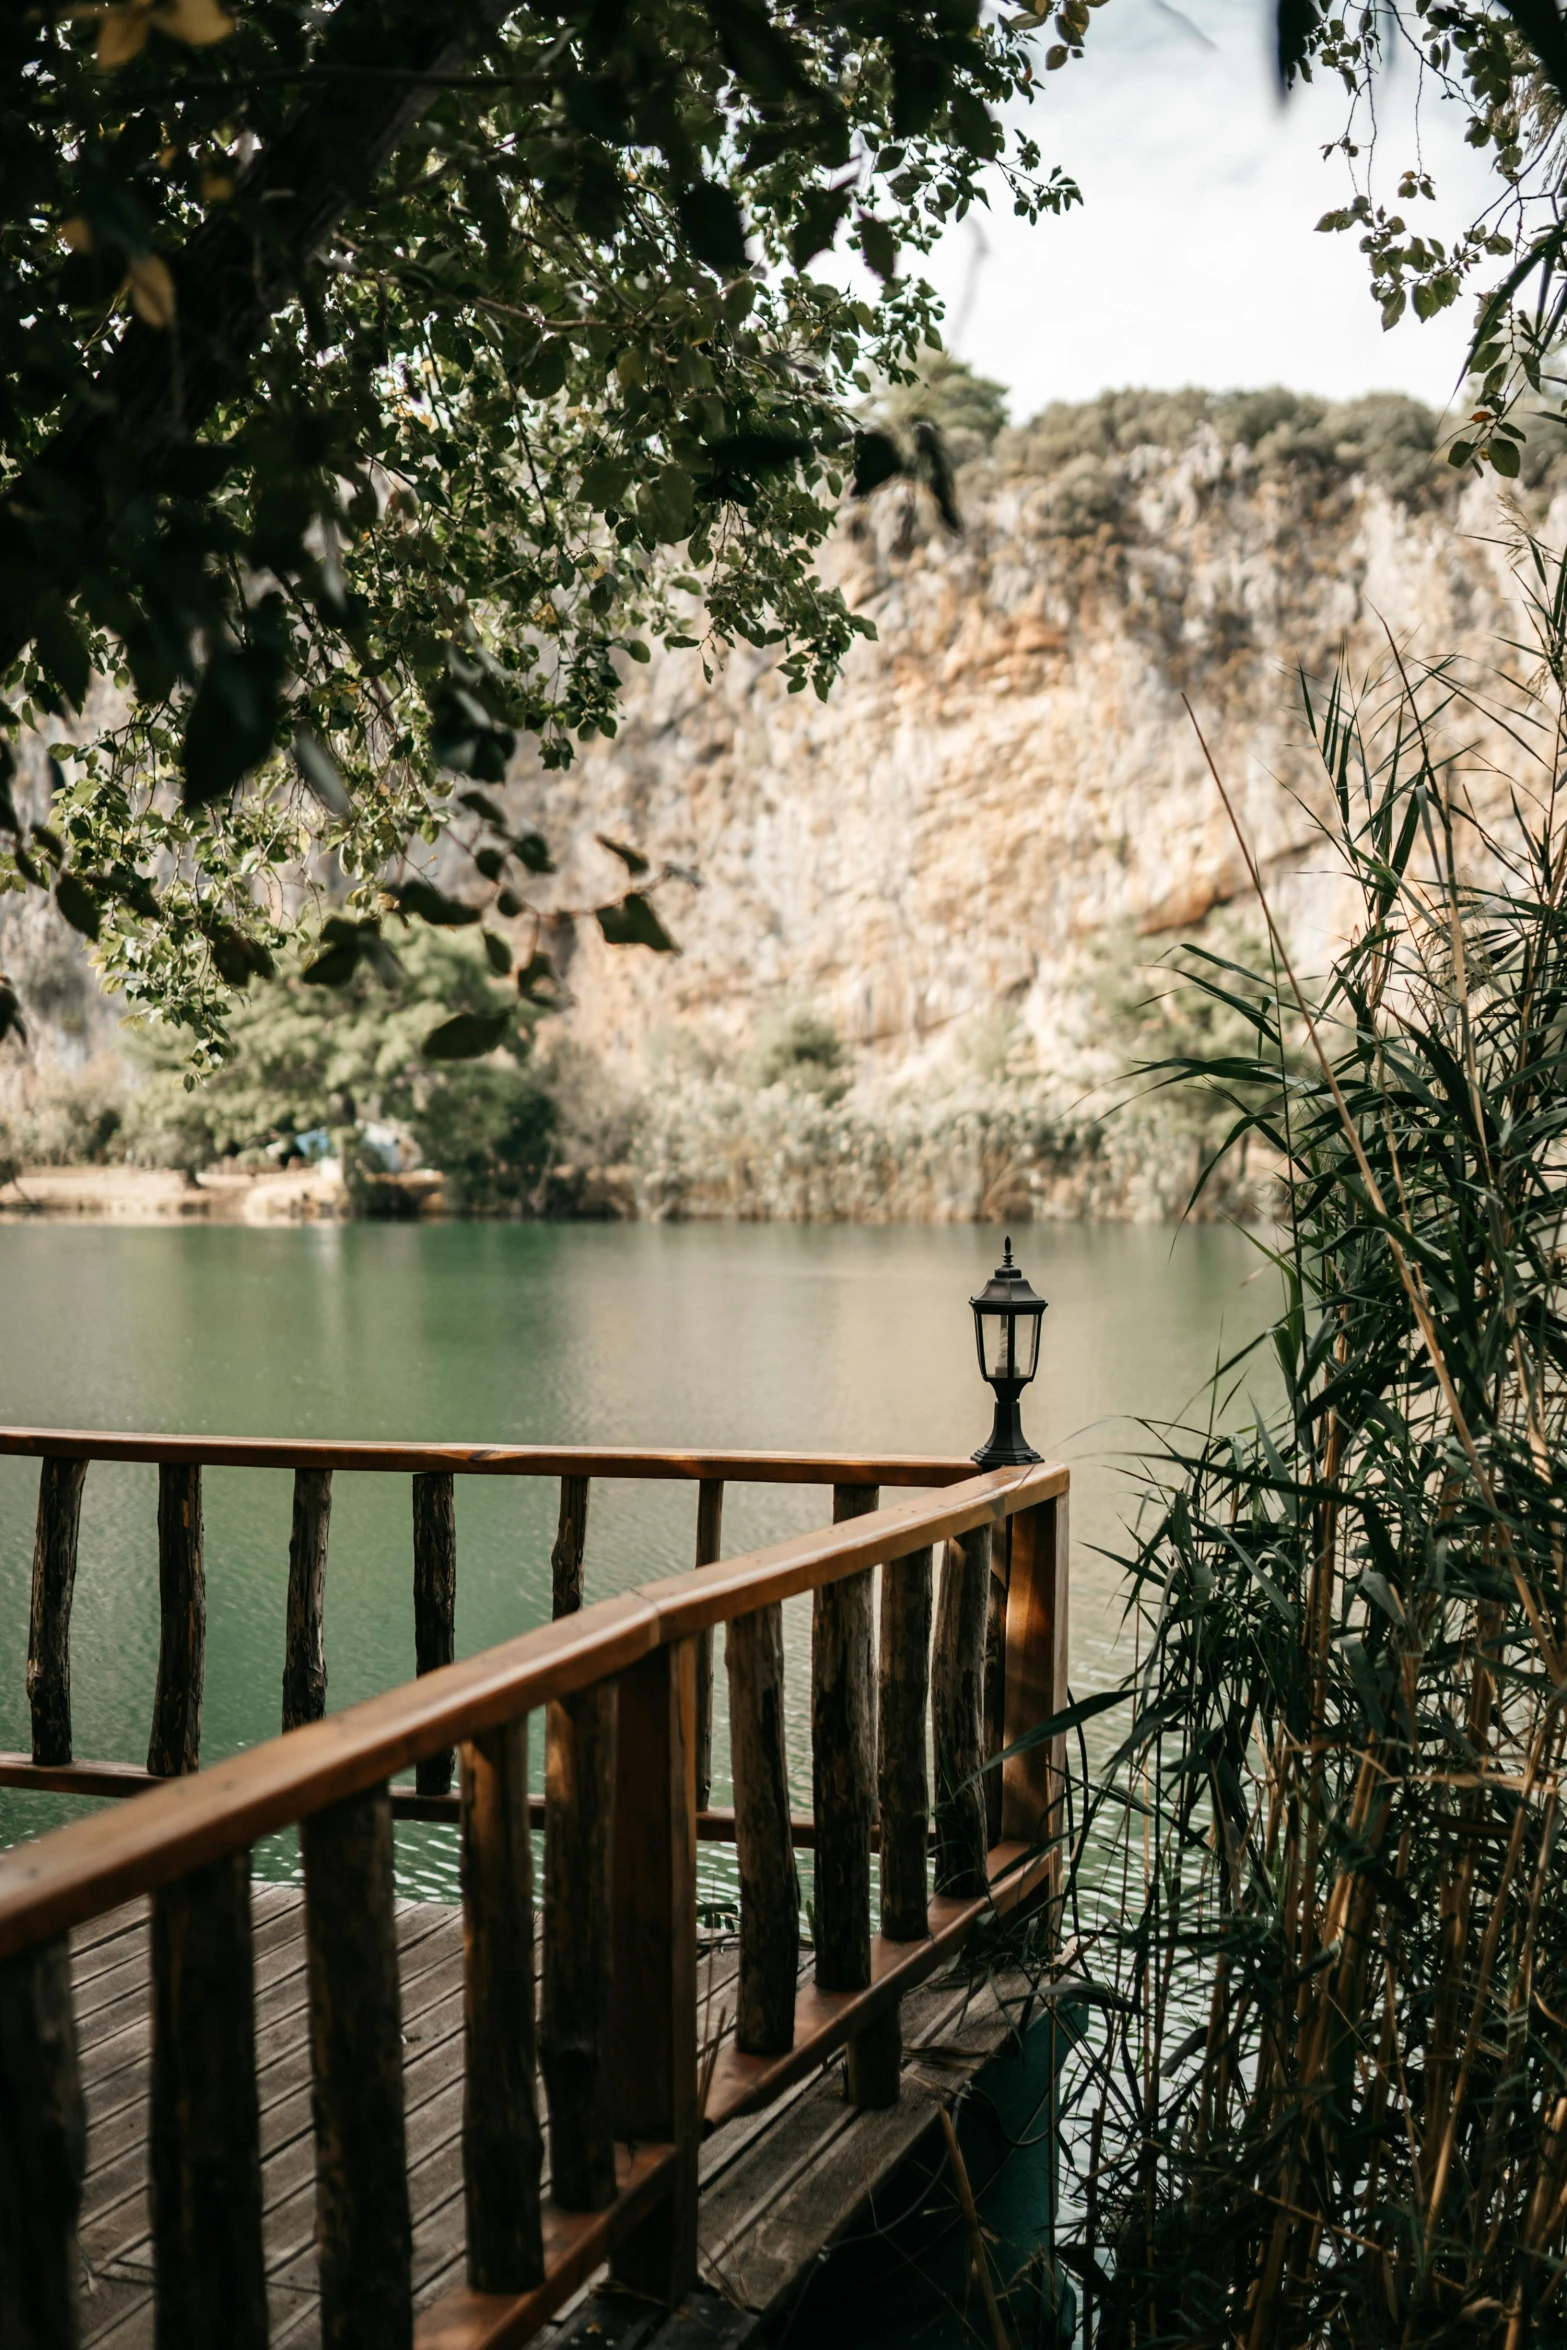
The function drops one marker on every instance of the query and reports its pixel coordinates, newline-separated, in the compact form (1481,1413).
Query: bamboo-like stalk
(1324,2103)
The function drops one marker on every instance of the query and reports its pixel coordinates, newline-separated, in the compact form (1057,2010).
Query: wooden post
(175,1744)
(579,1795)
(903,1782)
(364,2236)
(571,1539)
(304,1660)
(54,1579)
(957,1698)
(655,1956)
(435,1601)
(43,2151)
(996,1674)
(1033,1782)
(709,1549)
(764,1848)
(843,1774)
(204,2140)
(503,2148)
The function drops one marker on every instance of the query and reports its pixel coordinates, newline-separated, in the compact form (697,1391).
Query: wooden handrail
(488,1460)
(91,1865)
(628,2091)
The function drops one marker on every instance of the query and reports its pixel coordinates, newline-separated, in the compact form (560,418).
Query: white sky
(1194,257)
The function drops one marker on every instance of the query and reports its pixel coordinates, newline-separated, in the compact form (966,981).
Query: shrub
(488,1129)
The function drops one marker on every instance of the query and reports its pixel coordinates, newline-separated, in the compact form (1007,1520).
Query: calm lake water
(748,1336)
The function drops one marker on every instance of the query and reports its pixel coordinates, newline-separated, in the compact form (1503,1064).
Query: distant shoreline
(158,1195)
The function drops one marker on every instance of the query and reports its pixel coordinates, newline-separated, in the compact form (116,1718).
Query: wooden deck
(776,2186)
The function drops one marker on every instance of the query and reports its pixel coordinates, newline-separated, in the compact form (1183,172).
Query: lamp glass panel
(996,1345)
(1009,1344)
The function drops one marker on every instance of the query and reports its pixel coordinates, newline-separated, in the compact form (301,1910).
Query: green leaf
(877,458)
(543,375)
(433,905)
(712,225)
(239,959)
(1504,456)
(77,903)
(320,771)
(333,969)
(1294,25)
(633,859)
(665,504)
(482,805)
(533,851)
(231,722)
(822,214)
(62,648)
(466,1036)
(634,923)
(499,951)
(464,736)
(606,481)
(879,246)
(11,1021)
(536,980)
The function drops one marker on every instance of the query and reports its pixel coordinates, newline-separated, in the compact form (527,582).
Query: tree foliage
(1504,64)
(380,379)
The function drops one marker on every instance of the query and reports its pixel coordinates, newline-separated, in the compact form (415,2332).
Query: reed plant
(1319,1889)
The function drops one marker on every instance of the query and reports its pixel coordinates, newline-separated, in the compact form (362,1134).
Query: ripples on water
(772,1337)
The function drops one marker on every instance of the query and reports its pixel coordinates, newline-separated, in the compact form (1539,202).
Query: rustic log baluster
(579,1795)
(43,2150)
(843,1773)
(502,2145)
(764,1848)
(364,2235)
(435,1602)
(571,1540)
(1032,1782)
(957,1699)
(175,1744)
(54,1579)
(304,1661)
(996,1675)
(902,1780)
(204,2151)
(709,1548)
(655,1956)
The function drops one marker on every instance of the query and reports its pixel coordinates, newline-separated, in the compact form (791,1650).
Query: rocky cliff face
(1006,787)
(930,906)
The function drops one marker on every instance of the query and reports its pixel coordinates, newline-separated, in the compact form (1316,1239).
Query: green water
(774,1337)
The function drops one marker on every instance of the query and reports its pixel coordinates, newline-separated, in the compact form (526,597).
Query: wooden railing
(175,1741)
(628,2088)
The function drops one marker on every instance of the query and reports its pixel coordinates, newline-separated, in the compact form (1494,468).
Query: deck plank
(776,2185)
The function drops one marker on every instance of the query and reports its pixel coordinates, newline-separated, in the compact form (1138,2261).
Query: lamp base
(1007,1447)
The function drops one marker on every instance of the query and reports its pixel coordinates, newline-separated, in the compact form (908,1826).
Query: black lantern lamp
(1007,1315)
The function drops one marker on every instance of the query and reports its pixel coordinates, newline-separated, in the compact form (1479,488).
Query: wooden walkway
(776,2186)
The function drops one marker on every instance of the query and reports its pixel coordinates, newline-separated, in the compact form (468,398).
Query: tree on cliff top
(379,376)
